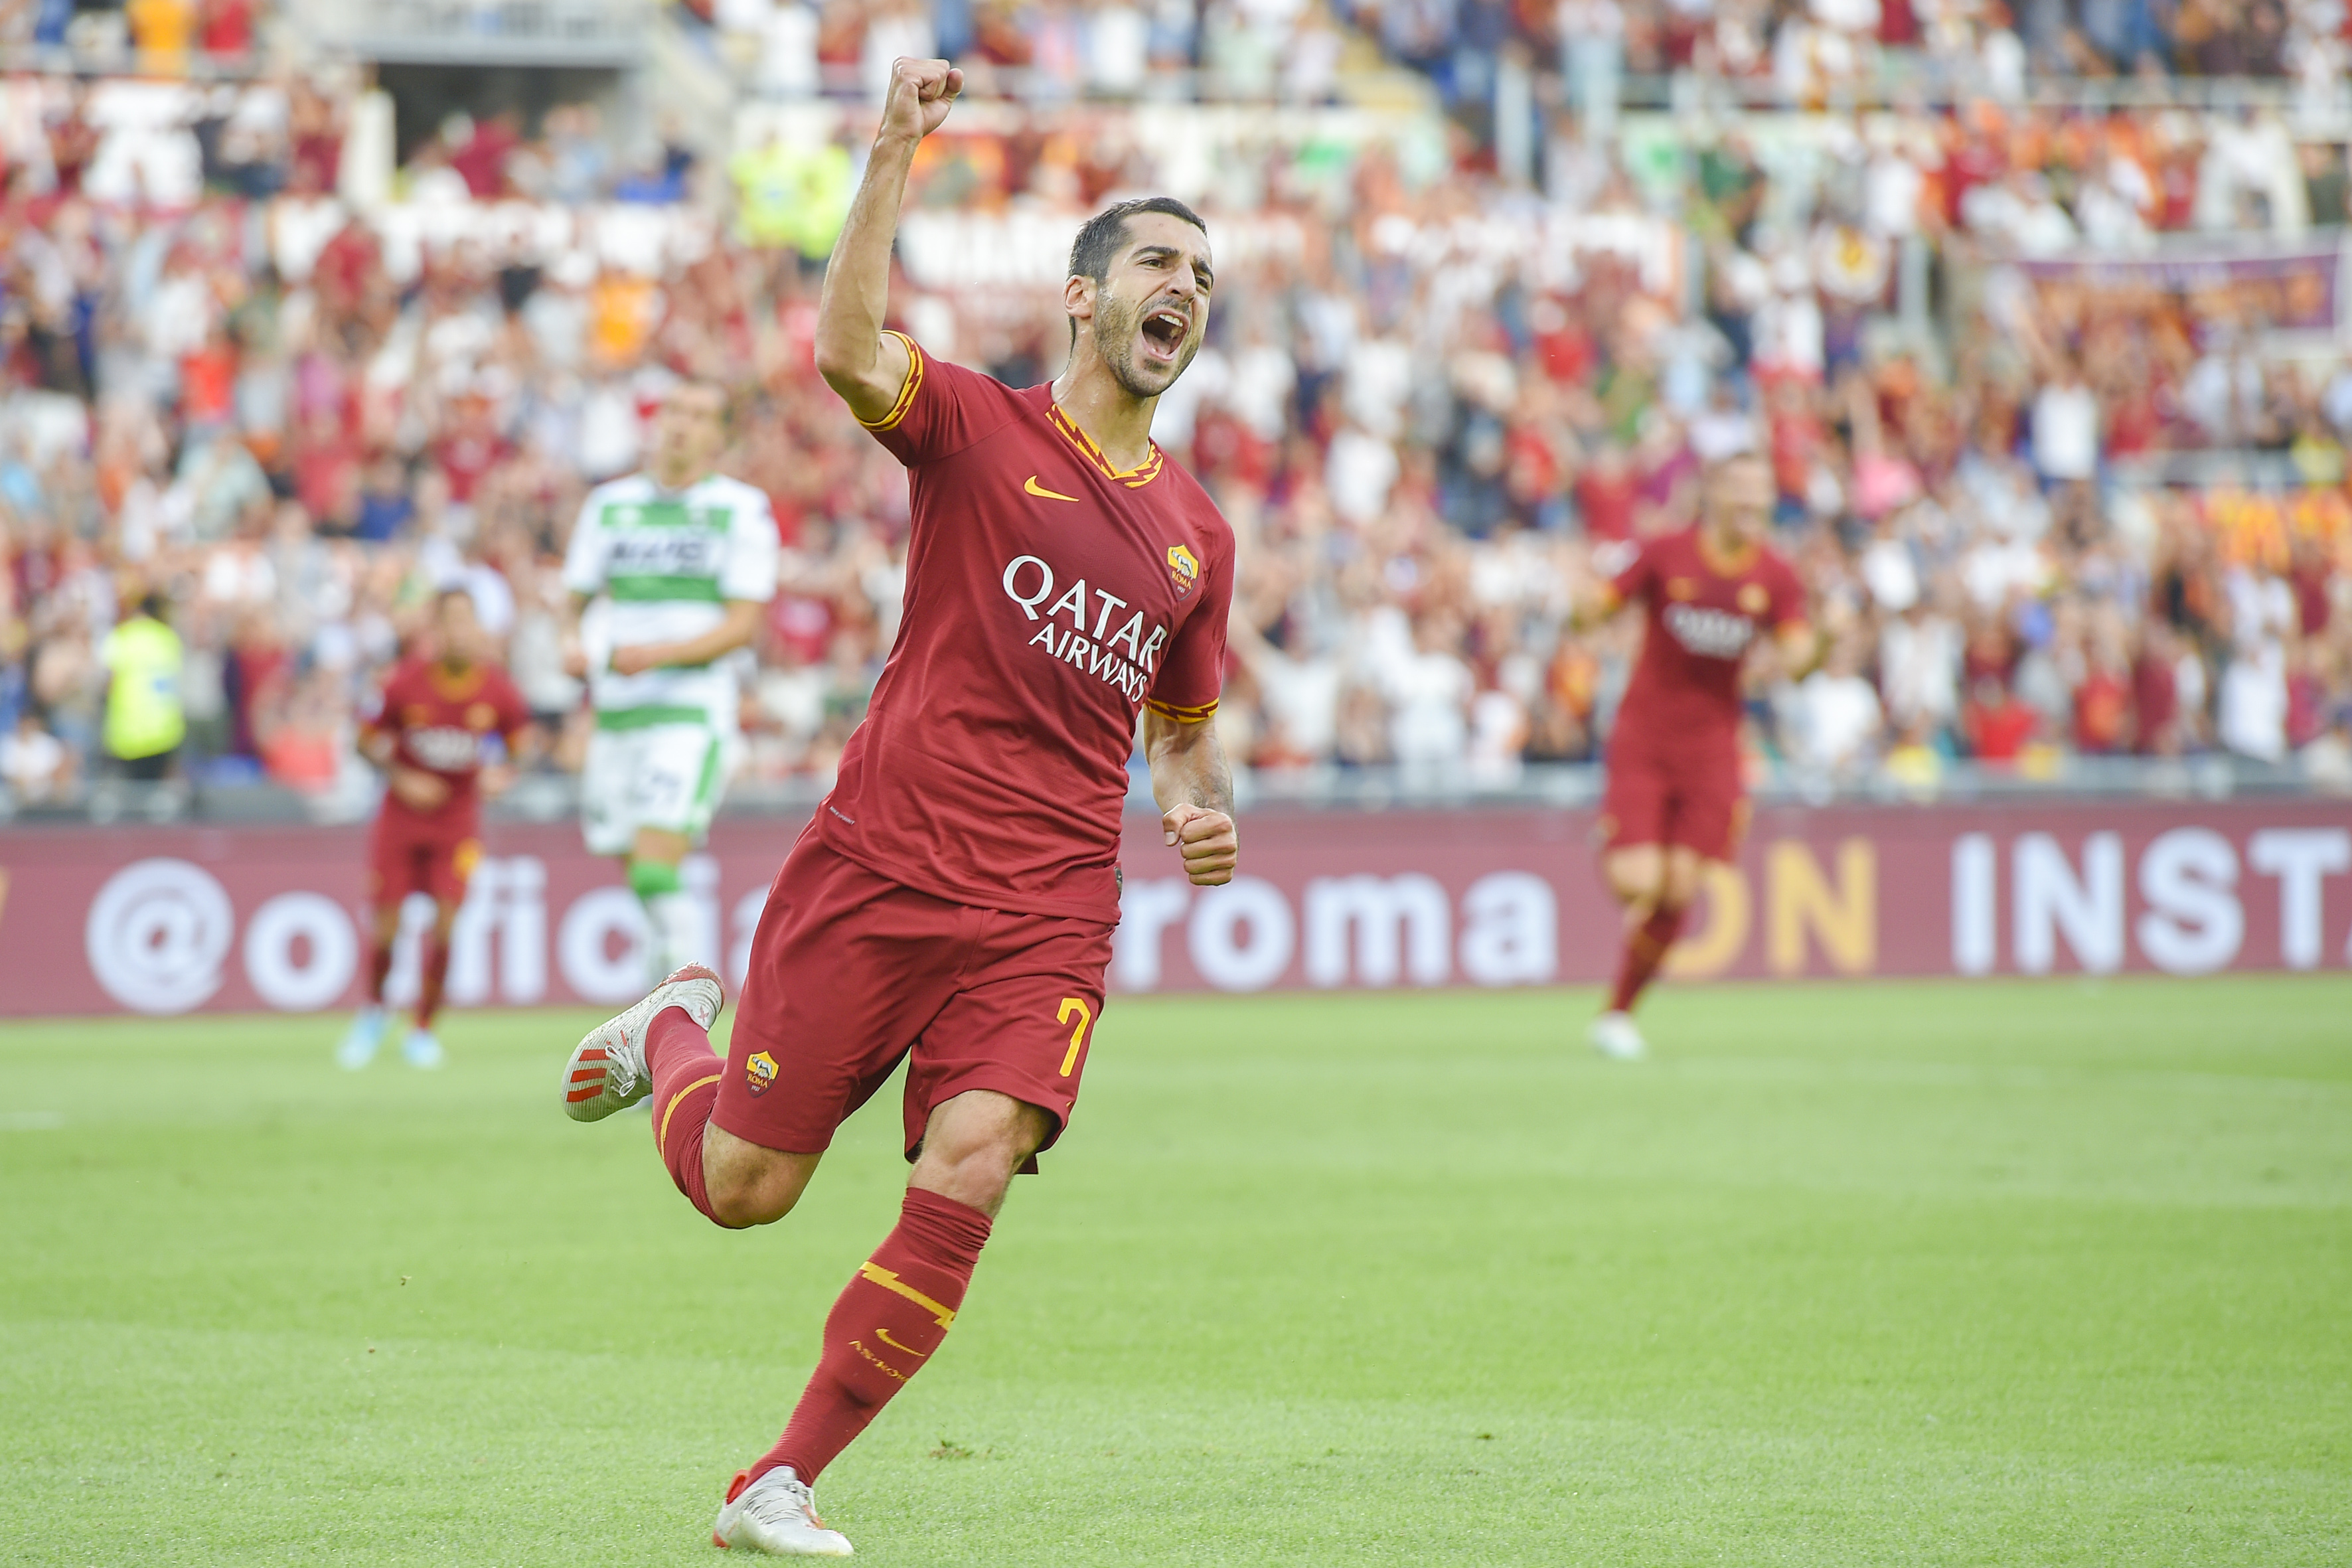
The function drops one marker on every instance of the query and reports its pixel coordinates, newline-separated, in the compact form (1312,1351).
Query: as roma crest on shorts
(760,1072)
(1182,569)
(1753,598)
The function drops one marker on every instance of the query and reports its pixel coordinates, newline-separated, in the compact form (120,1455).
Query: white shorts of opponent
(662,775)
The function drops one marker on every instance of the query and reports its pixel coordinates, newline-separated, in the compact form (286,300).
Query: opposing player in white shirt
(671,571)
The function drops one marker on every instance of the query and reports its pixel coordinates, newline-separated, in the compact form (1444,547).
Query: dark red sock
(685,1086)
(437,974)
(881,1330)
(1646,947)
(379,971)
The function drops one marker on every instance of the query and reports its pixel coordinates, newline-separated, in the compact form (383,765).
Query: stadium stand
(2038,315)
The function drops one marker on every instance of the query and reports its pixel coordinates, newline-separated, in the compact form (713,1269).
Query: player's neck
(1727,549)
(1118,422)
(452,669)
(675,480)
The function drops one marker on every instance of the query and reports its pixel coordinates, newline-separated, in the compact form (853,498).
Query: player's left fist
(1206,840)
(635,659)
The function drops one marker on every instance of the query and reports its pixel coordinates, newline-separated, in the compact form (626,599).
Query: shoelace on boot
(788,1503)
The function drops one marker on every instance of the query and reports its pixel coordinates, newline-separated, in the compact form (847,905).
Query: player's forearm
(1188,764)
(857,295)
(742,624)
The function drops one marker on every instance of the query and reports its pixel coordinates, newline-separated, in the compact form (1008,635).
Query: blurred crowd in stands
(2056,399)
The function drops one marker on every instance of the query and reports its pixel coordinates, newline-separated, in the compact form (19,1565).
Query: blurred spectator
(2054,483)
(35,765)
(145,721)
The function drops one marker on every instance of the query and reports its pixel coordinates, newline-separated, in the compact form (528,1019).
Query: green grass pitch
(1896,1273)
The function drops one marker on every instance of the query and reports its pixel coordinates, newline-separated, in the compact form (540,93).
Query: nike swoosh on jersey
(1034,489)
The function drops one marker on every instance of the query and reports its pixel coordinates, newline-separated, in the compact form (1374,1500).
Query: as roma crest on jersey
(1182,569)
(1753,598)
(481,716)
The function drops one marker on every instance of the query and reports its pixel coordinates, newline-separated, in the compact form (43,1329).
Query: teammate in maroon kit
(429,738)
(1675,801)
(954,897)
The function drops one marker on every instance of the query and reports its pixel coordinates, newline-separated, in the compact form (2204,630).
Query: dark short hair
(1105,232)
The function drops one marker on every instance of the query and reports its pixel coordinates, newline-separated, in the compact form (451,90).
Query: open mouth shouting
(1164,330)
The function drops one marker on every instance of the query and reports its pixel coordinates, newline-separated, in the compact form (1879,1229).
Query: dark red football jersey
(1700,620)
(438,721)
(1049,597)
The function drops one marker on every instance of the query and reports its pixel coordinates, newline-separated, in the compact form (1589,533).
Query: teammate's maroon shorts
(851,970)
(1660,796)
(411,854)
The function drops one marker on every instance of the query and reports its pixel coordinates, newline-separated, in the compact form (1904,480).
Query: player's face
(1739,497)
(688,432)
(1152,310)
(456,631)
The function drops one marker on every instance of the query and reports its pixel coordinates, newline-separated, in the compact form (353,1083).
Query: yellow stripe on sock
(889,1281)
(662,1136)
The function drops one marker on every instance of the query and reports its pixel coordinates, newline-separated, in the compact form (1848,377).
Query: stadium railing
(2045,778)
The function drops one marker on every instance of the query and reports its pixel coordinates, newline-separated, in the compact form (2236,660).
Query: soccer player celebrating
(438,711)
(1675,801)
(954,897)
(670,571)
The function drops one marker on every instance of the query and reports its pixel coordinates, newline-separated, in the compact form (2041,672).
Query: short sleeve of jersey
(1186,687)
(1787,595)
(514,714)
(941,409)
(752,551)
(1639,577)
(583,559)
(399,687)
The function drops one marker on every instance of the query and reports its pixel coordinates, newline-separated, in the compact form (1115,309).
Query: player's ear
(1078,297)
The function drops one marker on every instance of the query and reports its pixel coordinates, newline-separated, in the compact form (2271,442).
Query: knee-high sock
(379,971)
(685,1086)
(672,915)
(1646,947)
(436,975)
(884,1326)
(678,936)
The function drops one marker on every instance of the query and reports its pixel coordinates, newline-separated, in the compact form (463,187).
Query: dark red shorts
(1656,797)
(851,971)
(408,855)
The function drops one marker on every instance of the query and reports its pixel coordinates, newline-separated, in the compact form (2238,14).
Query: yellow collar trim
(1136,478)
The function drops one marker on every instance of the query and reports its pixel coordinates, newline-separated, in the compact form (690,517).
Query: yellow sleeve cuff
(906,389)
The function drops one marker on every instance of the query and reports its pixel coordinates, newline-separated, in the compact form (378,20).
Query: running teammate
(955,895)
(431,738)
(671,571)
(1675,800)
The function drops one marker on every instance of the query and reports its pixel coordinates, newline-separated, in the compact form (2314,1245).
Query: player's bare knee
(742,1198)
(974,1143)
(747,1185)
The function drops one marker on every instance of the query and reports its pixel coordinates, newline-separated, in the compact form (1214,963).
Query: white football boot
(1614,1035)
(422,1048)
(364,1039)
(607,1071)
(776,1514)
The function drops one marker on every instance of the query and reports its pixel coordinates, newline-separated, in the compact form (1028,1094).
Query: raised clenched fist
(922,93)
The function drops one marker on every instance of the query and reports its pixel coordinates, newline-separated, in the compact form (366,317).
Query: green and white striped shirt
(661,565)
